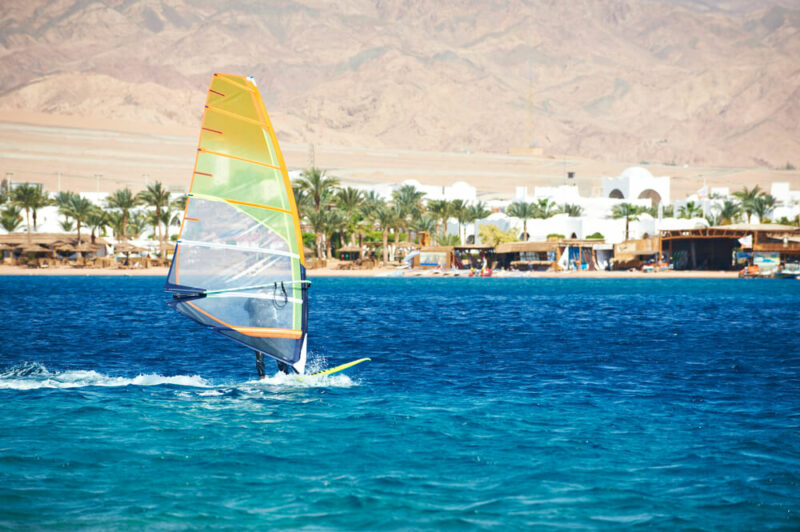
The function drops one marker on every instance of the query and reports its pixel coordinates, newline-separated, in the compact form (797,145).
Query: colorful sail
(238,266)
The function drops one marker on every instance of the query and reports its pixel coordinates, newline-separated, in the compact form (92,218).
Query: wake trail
(34,376)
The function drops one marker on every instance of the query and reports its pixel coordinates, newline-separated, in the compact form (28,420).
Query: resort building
(637,183)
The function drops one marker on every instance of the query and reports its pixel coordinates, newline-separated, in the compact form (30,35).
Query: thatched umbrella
(127,247)
(85,247)
(64,246)
(33,248)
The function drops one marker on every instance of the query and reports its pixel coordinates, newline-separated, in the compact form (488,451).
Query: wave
(306,381)
(33,376)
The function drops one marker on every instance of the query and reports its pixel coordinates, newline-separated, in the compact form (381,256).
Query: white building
(637,183)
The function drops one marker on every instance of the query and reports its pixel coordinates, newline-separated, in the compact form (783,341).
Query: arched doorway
(616,194)
(652,195)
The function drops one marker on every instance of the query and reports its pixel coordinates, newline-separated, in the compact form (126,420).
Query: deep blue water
(490,403)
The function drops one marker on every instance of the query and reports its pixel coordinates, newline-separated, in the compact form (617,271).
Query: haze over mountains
(708,83)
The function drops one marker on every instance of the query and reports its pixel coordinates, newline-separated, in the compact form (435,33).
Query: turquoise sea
(504,404)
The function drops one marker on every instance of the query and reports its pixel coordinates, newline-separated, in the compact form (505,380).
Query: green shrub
(309,240)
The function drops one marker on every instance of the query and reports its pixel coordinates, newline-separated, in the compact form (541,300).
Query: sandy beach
(379,272)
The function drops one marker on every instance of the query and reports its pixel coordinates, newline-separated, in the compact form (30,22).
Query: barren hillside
(667,82)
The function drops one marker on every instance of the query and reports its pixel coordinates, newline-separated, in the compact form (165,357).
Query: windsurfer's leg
(284,368)
(260,364)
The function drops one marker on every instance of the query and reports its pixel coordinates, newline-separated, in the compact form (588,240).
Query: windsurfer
(283,368)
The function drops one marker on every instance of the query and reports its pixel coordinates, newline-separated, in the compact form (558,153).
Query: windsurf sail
(238,266)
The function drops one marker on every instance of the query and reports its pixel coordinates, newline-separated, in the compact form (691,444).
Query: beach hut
(581,253)
(33,254)
(474,256)
(355,257)
(440,257)
(349,253)
(527,256)
(731,247)
(5,253)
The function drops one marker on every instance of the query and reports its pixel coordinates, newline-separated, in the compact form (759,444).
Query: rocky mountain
(698,82)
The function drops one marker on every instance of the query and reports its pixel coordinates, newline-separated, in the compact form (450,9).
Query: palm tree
(67,225)
(62,201)
(690,210)
(713,219)
(40,200)
(408,200)
(524,211)
(97,220)
(748,197)
(627,211)
(545,208)
(137,223)
(460,211)
(348,200)
(124,201)
(180,202)
(302,200)
(156,196)
(334,220)
(319,186)
(573,211)
(114,221)
(63,198)
(423,223)
(370,203)
(154,222)
(319,189)
(477,212)
(397,217)
(318,221)
(440,210)
(450,240)
(384,216)
(26,196)
(762,206)
(728,212)
(169,218)
(11,218)
(80,209)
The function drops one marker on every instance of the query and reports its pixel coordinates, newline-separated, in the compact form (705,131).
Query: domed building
(637,183)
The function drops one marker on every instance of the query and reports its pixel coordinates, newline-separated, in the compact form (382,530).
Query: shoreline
(6,270)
